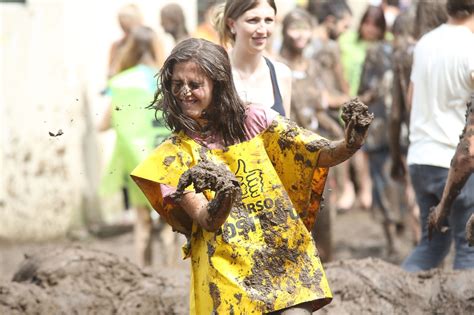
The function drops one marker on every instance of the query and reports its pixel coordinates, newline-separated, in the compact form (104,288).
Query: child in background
(250,244)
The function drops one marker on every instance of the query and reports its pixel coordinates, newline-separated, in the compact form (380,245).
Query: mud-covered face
(253,28)
(298,34)
(192,89)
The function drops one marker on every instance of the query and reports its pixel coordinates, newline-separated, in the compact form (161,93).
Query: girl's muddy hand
(357,118)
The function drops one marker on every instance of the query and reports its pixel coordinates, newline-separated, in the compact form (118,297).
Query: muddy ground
(65,276)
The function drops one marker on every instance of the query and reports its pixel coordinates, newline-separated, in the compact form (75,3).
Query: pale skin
(193,91)
(250,72)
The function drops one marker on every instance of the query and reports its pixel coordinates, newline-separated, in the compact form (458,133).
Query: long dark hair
(376,13)
(226,113)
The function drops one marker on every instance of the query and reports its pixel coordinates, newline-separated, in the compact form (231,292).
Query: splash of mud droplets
(168,160)
(57,134)
(210,252)
(216,295)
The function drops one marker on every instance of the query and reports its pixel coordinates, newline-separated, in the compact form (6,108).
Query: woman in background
(246,26)
(137,131)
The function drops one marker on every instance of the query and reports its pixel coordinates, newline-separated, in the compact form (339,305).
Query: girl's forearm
(335,153)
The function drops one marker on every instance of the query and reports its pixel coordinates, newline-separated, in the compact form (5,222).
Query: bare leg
(345,187)
(142,231)
(364,182)
(322,232)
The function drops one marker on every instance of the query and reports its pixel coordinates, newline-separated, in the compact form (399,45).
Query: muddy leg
(142,234)
(322,231)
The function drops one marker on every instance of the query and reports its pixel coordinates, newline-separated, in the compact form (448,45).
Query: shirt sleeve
(258,119)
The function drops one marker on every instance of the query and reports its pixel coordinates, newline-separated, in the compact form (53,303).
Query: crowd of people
(237,93)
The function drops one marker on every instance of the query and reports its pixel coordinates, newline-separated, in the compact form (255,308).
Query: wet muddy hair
(233,9)
(460,9)
(226,113)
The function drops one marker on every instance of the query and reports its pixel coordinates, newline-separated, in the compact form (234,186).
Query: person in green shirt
(137,130)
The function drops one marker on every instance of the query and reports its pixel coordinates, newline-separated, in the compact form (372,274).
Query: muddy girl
(244,184)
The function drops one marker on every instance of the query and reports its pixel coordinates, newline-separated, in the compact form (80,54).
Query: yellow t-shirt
(263,258)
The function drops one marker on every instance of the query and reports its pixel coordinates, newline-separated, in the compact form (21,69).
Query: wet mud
(207,175)
(80,281)
(372,286)
(356,111)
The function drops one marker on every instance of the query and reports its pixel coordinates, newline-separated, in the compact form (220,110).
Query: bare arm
(284,82)
(336,101)
(106,121)
(329,124)
(357,119)
(209,215)
(339,151)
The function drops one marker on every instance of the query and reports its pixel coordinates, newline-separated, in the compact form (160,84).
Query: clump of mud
(355,110)
(207,175)
(470,231)
(79,281)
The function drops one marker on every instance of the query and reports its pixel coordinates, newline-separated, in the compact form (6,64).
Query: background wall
(53,62)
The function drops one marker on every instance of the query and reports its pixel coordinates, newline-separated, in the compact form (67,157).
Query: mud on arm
(357,120)
(206,175)
(462,166)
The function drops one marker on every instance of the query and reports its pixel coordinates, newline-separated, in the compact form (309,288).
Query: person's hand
(435,219)
(207,175)
(398,170)
(355,135)
(357,119)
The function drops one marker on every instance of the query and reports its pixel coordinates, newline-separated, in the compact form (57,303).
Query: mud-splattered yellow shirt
(263,258)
